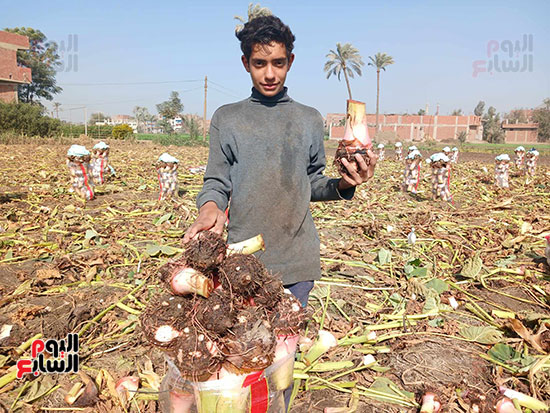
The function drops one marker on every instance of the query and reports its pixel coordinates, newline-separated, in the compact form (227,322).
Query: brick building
(11,73)
(520,132)
(415,127)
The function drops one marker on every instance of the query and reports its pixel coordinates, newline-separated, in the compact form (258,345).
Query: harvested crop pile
(202,329)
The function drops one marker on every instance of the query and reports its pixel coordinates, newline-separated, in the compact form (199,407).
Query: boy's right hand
(210,218)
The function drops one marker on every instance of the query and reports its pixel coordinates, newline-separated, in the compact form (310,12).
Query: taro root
(250,344)
(184,280)
(242,274)
(217,314)
(356,137)
(196,356)
(165,318)
(270,293)
(206,252)
(288,315)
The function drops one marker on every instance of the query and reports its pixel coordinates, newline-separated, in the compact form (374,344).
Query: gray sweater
(267,156)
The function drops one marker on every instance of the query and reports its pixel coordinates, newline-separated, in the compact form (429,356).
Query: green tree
(172,107)
(56,106)
(462,136)
(28,120)
(42,59)
(96,117)
(165,126)
(346,59)
(492,128)
(123,131)
(253,12)
(516,116)
(480,108)
(542,117)
(192,126)
(380,61)
(142,116)
(456,112)
(421,112)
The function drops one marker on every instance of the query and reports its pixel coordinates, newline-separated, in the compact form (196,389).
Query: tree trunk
(377,97)
(347,82)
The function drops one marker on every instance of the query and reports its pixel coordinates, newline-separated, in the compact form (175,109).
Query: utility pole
(85,121)
(204,117)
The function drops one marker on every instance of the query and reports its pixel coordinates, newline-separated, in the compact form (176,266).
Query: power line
(127,101)
(223,87)
(130,83)
(224,92)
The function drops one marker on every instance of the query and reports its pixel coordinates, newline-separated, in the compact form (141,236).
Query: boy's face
(268,66)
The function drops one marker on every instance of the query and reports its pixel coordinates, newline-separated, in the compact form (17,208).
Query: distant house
(123,119)
(11,73)
(520,132)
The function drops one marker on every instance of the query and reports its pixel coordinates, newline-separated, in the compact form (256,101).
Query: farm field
(67,266)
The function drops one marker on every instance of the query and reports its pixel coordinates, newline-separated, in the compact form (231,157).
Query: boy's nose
(269,73)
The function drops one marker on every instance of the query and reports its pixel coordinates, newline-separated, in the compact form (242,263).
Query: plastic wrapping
(257,392)
(78,162)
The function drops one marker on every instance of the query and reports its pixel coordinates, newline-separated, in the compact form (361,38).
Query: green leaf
(168,250)
(90,233)
(480,334)
(429,305)
(142,187)
(438,285)
(385,385)
(384,256)
(472,267)
(163,219)
(153,250)
(503,352)
(436,322)
(506,262)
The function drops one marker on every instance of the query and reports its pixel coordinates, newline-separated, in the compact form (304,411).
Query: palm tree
(380,61)
(56,106)
(253,12)
(345,59)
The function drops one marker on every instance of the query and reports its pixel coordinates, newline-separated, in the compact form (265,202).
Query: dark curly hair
(264,30)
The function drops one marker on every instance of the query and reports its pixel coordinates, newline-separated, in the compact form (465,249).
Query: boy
(267,155)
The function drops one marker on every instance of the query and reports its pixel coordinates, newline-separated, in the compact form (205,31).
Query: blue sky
(433,43)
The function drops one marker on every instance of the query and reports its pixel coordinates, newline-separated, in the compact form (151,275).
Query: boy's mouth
(271,86)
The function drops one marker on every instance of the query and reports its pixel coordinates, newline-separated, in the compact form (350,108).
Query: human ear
(245,63)
(290,60)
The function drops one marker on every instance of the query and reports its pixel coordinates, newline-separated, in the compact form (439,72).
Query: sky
(134,53)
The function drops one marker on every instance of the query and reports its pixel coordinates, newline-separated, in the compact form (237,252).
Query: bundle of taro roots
(225,312)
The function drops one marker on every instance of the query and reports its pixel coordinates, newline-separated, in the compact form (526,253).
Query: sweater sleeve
(217,182)
(323,188)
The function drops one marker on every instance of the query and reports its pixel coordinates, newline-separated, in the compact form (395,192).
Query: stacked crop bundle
(225,314)
(100,162)
(167,171)
(78,162)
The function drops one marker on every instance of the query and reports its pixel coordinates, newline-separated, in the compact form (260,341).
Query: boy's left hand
(358,176)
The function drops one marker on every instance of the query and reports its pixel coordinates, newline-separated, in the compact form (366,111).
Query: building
(520,132)
(12,74)
(122,119)
(415,127)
